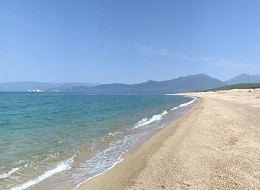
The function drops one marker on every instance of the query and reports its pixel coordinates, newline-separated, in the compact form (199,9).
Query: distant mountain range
(244,78)
(199,82)
(182,84)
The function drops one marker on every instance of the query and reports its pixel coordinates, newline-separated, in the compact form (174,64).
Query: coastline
(214,145)
(171,115)
(120,176)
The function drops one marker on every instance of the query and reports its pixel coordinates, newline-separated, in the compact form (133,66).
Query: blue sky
(127,41)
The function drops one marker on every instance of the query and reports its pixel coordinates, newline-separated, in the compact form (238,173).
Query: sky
(127,41)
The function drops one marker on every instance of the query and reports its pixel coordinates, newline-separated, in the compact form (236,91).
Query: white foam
(175,108)
(146,121)
(112,134)
(106,159)
(121,159)
(6,175)
(184,104)
(65,165)
(164,113)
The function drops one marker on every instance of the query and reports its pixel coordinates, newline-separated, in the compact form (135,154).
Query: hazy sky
(127,41)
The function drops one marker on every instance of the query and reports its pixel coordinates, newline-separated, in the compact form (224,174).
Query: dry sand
(216,145)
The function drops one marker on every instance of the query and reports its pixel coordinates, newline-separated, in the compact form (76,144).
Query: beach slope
(216,145)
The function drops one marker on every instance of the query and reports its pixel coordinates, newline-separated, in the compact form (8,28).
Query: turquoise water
(50,139)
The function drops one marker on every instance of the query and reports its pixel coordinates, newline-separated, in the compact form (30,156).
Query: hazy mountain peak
(244,78)
(150,81)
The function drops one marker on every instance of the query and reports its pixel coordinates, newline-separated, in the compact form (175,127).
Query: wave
(184,104)
(188,103)
(65,165)
(6,175)
(158,117)
(121,159)
(104,160)
(146,121)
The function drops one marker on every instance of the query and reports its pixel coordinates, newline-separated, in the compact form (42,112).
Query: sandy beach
(216,145)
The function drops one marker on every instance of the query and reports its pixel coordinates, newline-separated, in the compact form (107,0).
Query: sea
(61,140)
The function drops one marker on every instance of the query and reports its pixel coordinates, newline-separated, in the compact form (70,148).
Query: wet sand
(216,145)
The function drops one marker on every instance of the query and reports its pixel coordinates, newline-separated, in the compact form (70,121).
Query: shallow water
(50,139)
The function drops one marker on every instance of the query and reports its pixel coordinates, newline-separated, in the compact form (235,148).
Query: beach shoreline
(209,147)
(172,115)
(138,153)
